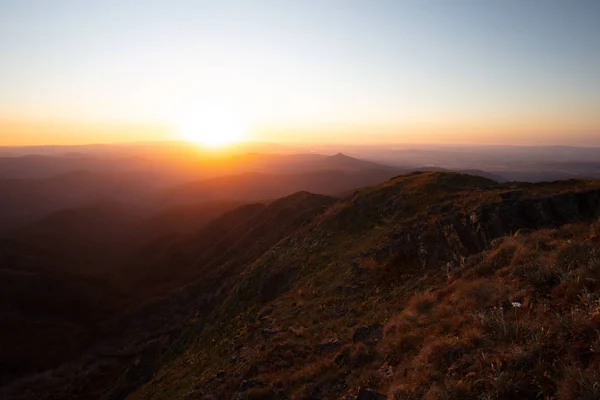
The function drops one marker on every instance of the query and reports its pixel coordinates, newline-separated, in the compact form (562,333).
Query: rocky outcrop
(450,238)
(477,230)
(369,394)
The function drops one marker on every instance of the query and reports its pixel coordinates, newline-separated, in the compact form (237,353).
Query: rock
(265,313)
(329,344)
(369,394)
(595,229)
(368,334)
(386,371)
(251,383)
(497,242)
(522,232)
(269,333)
(347,290)
(512,195)
(355,267)
(343,357)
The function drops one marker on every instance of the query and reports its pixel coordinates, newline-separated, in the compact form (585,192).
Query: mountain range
(425,285)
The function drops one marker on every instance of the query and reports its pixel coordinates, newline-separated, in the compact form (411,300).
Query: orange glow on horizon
(225,131)
(34,132)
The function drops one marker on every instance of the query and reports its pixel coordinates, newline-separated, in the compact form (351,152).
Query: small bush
(441,353)
(496,259)
(402,346)
(450,390)
(495,322)
(480,293)
(574,255)
(260,393)
(542,277)
(578,384)
(421,303)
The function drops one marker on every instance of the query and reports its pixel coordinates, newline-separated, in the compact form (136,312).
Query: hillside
(43,290)
(47,310)
(307,320)
(92,237)
(298,163)
(258,186)
(24,200)
(226,243)
(184,219)
(430,285)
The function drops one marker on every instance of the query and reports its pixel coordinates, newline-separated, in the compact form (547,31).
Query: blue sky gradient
(522,67)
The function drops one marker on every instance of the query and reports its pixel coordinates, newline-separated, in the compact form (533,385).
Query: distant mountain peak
(342,155)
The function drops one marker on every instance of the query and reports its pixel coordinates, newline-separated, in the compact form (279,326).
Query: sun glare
(215,130)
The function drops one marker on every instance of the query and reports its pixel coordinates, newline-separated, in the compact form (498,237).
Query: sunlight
(215,129)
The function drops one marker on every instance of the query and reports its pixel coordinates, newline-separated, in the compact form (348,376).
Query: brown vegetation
(431,285)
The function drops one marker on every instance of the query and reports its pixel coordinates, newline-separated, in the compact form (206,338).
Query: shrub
(480,293)
(494,321)
(504,383)
(574,255)
(260,393)
(542,277)
(578,384)
(496,259)
(403,345)
(441,353)
(449,390)
(421,303)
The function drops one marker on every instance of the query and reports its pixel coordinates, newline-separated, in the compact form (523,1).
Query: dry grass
(523,321)
(520,319)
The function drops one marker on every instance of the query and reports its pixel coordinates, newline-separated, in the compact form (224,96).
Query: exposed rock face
(368,334)
(311,298)
(452,237)
(491,221)
(368,394)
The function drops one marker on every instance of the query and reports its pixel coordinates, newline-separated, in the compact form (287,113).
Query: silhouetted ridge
(429,285)
(341,156)
(224,244)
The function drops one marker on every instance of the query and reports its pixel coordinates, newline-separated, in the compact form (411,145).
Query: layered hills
(31,187)
(429,285)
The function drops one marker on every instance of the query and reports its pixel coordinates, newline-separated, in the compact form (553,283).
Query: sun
(215,129)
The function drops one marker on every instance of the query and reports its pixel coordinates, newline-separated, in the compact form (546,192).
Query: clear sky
(469,71)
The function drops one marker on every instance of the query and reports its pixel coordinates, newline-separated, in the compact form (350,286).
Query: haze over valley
(273,200)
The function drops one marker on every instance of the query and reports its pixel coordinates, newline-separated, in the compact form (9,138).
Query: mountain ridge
(327,309)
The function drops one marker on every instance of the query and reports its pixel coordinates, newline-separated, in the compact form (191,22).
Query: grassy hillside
(431,285)
(256,186)
(48,312)
(407,289)
(226,244)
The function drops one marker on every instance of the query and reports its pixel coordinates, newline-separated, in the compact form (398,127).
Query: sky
(427,71)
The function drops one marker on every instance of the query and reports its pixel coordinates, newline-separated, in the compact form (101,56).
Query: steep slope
(94,237)
(238,237)
(62,278)
(403,289)
(314,316)
(260,186)
(227,242)
(47,313)
(181,220)
(167,262)
(23,201)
